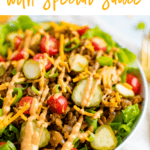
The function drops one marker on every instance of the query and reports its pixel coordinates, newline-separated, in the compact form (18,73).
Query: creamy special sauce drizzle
(6,104)
(73,135)
(33,142)
(57,61)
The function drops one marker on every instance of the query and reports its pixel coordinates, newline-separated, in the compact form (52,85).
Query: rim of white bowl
(143,110)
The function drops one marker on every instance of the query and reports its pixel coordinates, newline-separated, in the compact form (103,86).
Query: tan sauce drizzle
(97,114)
(57,61)
(35,39)
(61,78)
(44,94)
(73,135)
(74,61)
(87,91)
(31,138)
(83,136)
(28,35)
(6,104)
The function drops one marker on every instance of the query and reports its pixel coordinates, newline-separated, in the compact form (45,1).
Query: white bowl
(92,21)
(144,94)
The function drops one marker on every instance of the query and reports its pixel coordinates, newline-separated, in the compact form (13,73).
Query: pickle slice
(79,91)
(104,139)
(80,62)
(2,70)
(124,91)
(45,137)
(31,69)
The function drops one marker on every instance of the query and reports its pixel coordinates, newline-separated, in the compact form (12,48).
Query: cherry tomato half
(17,55)
(134,82)
(24,101)
(37,58)
(83,30)
(74,149)
(53,46)
(2,59)
(99,44)
(57,104)
(17,41)
(2,143)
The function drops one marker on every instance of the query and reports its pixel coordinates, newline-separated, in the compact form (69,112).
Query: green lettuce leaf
(105,61)
(130,113)
(92,122)
(96,32)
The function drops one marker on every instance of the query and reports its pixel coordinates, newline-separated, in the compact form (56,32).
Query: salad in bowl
(65,87)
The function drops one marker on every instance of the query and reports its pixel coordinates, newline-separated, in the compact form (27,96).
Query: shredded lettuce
(84,148)
(96,32)
(8,146)
(22,22)
(92,122)
(125,121)
(130,113)
(124,75)
(105,61)
(9,133)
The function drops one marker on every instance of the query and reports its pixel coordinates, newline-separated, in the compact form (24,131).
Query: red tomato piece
(24,101)
(37,58)
(17,41)
(74,149)
(51,47)
(83,30)
(2,59)
(99,44)
(134,82)
(57,104)
(2,143)
(17,55)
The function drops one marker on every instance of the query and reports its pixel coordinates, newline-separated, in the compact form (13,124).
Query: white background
(143,8)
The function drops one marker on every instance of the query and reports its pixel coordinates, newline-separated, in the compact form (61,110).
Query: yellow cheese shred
(65,65)
(13,99)
(4,86)
(118,97)
(82,111)
(61,49)
(70,25)
(9,53)
(110,104)
(127,86)
(90,47)
(31,52)
(24,108)
(23,117)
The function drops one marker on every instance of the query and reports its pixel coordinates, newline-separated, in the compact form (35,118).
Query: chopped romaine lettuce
(84,148)
(92,122)
(105,61)
(130,113)
(96,32)
(115,125)
(124,75)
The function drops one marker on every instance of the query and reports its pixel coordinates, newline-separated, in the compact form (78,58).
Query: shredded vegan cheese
(9,53)
(31,52)
(61,50)
(82,111)
(4,86)
(127,86)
